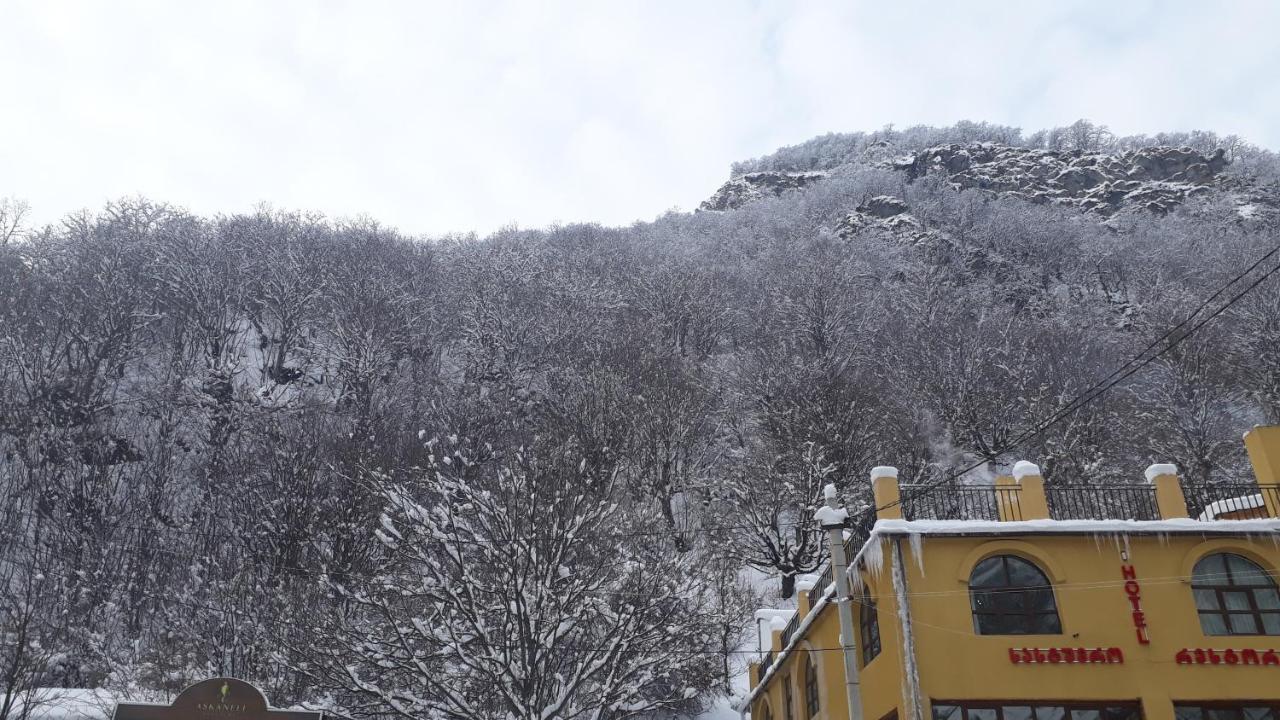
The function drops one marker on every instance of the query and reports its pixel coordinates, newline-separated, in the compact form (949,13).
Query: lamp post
(832,518)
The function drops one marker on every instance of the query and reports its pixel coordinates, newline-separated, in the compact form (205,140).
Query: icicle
(911,688)
(873,556)
(917,550)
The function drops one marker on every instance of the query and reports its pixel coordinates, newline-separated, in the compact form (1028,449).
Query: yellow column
(884,487)
(1031,498)
(1169,498)
(1157,707)
(753,674)
(804,584)
(1263,444)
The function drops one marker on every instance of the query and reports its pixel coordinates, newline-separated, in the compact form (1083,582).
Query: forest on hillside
(507,476)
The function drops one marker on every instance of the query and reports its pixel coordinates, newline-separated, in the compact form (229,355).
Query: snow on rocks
(1155,179)
(753,186)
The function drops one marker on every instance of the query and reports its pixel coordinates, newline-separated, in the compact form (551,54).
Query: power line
(1115,377)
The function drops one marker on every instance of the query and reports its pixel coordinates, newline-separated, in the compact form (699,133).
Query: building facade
(1017,602)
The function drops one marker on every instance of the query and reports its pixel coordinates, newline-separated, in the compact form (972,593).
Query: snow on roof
(1230,505)
(1057,527)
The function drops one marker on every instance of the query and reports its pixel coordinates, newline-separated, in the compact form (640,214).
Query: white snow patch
(887,471)
(831,517)
(1155,471)
(1100,527)
(1230,505)
(1022,469)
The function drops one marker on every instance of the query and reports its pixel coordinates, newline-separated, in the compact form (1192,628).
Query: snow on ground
(66,704)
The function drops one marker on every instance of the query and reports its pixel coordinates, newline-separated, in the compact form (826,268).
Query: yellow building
(1042,611)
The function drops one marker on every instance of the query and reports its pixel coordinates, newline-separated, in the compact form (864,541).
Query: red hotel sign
(1133,591)
(1066,655)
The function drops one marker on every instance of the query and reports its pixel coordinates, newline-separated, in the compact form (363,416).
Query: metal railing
(824,580)
(765,662)
(1230,501)
(790,629)
(961,502)
(1102,502)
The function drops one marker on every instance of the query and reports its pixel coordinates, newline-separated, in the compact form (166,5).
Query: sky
(440,117)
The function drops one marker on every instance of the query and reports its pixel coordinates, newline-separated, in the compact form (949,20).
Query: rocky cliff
(1154,179)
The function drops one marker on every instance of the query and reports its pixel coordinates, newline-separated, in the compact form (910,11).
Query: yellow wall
(879,679)
(957,664)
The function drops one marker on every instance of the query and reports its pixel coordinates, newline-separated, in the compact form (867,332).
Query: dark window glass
(1050,712)
(1234,596)
(869,629)
(1017,712)
(810,689)
(1227,711)
(1011,596)
(962,710)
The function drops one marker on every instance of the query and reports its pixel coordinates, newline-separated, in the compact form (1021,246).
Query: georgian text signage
(216,699)
(1066,656)
(1229,656)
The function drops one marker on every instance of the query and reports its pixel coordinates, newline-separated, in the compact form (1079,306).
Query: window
(1010,596)
(976,710)
(869,627)
(1261,710)
(767,712)
(1235,597)
(810,688)
(788,701)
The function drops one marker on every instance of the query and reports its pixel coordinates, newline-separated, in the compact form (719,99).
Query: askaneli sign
(215,699)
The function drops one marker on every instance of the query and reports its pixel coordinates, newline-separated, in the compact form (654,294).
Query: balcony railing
(1235,501)
(1102,502)
(765,662)
(790,629)
(961,502)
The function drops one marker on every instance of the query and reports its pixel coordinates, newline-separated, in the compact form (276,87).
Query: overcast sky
(438,117)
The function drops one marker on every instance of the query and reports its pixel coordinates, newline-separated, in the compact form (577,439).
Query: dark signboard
(216,699)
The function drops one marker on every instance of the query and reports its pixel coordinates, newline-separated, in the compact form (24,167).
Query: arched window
(810,689)
(1235,597)
(767,712)
(1011,596)
(869,627)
